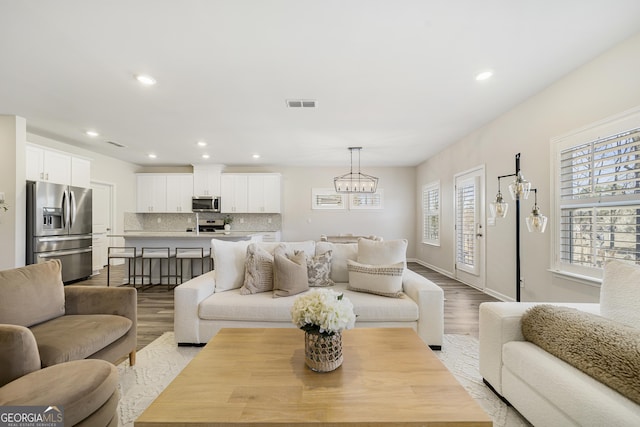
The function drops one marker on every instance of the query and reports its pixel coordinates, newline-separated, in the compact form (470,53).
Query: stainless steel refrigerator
(59,226)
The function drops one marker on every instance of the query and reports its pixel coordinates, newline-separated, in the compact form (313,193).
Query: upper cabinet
(43,164)
(206,180)
(233,193)
(163,192)
(264,193)
(251,193)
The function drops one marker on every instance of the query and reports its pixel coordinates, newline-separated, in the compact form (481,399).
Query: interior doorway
(469,227)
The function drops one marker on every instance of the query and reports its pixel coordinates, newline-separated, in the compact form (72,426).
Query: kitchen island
(174,240)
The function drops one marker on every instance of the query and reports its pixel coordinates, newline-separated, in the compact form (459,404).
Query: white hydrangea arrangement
(324,311)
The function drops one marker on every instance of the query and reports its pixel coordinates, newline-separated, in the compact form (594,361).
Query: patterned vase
(322,353)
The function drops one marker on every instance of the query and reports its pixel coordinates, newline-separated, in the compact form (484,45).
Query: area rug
(160,362)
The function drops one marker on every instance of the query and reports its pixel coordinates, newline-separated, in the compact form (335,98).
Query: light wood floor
(155,305)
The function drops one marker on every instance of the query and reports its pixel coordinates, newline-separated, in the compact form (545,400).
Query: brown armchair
(69,322)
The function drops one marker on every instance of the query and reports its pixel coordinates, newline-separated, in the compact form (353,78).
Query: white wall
(608,85)
(300,222)
(12,183)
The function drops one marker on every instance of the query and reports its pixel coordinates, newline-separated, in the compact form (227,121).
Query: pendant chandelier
(355,182)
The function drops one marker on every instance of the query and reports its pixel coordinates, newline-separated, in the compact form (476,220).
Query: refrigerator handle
(65,209)
(72,200)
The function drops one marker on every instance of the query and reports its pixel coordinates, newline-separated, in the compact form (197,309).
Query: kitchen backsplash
(182,221)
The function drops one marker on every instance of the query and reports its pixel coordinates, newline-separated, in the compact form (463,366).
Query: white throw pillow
(385,280)
(340,253)
(620,293)
(382,252)
(228,263)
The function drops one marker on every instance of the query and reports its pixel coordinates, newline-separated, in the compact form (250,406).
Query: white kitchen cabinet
(47,165)
(234,193)
(80,172)
(264,193)
(151,192)
(179,192)
(206,180)
(251,193)
(157,192)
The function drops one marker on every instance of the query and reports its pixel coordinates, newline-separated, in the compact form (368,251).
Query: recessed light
(484,75)
(202,144)
(92,133)
(145,79)
(205,156)
(151,156)
(256,156)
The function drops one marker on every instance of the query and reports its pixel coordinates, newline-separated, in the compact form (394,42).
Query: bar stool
(123,252)
(191,254)
(160,254)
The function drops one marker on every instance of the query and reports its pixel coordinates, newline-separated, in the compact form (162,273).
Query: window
(598,197)
(431,214)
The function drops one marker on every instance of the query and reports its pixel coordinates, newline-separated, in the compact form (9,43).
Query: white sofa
(202,308)
(543,388)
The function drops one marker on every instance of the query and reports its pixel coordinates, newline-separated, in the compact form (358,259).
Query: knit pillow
(258,272)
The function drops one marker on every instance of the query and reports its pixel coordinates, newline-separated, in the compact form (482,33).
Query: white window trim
(429,187)
(610,126)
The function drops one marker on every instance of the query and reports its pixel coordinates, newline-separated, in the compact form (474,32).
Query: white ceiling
(393,76)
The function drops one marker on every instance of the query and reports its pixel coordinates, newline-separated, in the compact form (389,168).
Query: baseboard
(449,274)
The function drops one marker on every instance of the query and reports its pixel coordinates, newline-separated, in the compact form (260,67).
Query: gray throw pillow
(319,270)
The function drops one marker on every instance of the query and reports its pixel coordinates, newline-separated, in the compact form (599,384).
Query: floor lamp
(536,222)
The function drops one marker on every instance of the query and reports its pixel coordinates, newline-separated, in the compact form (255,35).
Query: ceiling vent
(116,144)
(301,103)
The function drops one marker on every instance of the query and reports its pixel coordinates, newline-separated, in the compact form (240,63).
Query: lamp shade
(498,207)
(536,222)
(519,188)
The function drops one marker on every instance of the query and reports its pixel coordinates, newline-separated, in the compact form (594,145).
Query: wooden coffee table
(249,377)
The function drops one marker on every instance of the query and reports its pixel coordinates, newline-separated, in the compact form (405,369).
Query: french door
(469,227)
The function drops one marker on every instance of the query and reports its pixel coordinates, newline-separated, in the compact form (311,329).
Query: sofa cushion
(602,348)
(228,263)
(584,400)
(382,253)
(31,294)
(319,270)
(82,387)
(85,335)
(263,308)
(19,355)
(620,293)
(340,253)
(258,274)
(385,280)
(289,273)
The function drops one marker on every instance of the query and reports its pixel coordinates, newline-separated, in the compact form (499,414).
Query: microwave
(205,204)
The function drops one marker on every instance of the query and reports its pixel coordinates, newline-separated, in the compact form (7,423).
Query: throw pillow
(385,280)
(341,252)
(620,294)
(382,252)
(258,273)
(228,263)
(319,270)
(289,274)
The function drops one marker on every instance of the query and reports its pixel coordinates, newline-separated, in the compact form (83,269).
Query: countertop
(188,234)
